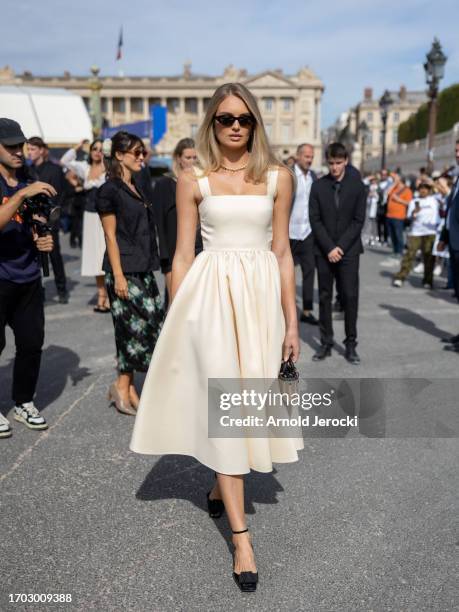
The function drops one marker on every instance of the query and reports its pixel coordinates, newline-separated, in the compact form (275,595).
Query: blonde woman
(233,312)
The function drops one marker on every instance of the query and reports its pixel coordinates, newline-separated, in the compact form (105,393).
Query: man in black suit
(337,214)
(450,237)
(42,169)
(301,240)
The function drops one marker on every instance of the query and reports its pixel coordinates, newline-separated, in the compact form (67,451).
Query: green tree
(417,126)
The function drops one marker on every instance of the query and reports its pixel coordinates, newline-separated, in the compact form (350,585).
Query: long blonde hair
(208,149)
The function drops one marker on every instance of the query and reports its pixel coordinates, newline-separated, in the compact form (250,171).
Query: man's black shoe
(309,318)
(451,340)
(322,352)
(63,298)
(351,355)
(453,348)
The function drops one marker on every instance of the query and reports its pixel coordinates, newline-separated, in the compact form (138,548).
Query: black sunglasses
(138,152)
(227,120)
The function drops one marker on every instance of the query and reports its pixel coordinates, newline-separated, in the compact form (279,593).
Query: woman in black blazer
(184,158)
(130,258)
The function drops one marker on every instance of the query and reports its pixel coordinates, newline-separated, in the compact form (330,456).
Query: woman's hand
(291,346)
(121,287)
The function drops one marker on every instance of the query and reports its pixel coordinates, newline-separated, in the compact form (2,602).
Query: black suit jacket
(51,173)
(334,227)
(445,233)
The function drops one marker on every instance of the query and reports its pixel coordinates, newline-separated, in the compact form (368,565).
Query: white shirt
(81,169)
(299,226)
(427,219)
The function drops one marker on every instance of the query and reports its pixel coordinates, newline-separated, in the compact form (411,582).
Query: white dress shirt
(299,226)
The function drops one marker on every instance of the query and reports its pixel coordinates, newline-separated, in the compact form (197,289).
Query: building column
(110,110)
(163,101)
(200,107)
(181,107)
(127,102)
(316,118)
(277,125)
(146,110)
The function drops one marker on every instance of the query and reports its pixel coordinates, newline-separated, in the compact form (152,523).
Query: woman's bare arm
(281,248)
(187,200)
(113,252)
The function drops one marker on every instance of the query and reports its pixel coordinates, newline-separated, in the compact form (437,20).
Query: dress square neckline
(270,189)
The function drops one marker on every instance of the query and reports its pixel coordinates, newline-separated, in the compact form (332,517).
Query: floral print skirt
(137,320)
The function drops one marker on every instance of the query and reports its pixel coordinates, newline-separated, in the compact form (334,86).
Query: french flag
(119,53)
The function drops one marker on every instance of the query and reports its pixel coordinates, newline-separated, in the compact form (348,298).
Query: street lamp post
(434,68)
(95,111)
(364,130)
(384,104)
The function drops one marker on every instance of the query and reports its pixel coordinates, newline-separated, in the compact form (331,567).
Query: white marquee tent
(56,115)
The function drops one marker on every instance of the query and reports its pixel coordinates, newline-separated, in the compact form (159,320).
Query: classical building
(346,128)
(290,104)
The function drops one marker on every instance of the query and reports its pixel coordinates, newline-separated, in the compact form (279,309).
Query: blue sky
(350,44)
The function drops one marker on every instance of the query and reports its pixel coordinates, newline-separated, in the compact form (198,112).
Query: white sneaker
(391,262)
(28,415)
(437,270)
(397,283)
(419,269)
(5,427)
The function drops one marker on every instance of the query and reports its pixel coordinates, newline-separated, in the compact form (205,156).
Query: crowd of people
(226,265)
(412,216)
(409,215)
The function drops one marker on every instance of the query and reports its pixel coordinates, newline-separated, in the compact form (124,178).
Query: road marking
(59,316)
(44,435)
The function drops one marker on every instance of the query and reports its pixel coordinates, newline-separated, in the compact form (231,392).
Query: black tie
(337,187)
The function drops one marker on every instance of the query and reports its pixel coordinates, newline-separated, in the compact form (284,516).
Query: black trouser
(382,227)
(454,261)
(58,264)
(76,229)
(346,273)
(21,307)
(303,254)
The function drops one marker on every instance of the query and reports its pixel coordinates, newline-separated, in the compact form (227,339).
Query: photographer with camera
(21,298)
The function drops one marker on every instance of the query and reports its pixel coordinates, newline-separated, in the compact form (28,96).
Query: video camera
(41,214)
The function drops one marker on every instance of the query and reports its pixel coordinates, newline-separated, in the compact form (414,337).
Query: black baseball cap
(10,132)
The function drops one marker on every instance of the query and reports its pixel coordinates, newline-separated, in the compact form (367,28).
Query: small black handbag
(288,371)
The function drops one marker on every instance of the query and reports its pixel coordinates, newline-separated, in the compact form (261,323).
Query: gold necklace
(233,169)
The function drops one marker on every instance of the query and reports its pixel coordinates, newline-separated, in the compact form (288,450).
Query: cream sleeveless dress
(226,321)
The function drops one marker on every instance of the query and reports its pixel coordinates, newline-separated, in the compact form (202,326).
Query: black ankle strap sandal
(246,581)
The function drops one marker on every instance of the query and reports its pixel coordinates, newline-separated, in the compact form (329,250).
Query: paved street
(357,524)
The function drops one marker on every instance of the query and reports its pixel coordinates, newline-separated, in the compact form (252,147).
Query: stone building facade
(290,104)
(405,103)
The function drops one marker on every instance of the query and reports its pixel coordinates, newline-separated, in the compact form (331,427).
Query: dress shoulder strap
(204,187)
(272,182)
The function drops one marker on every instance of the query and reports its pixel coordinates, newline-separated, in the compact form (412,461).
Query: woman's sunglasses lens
(228,120)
